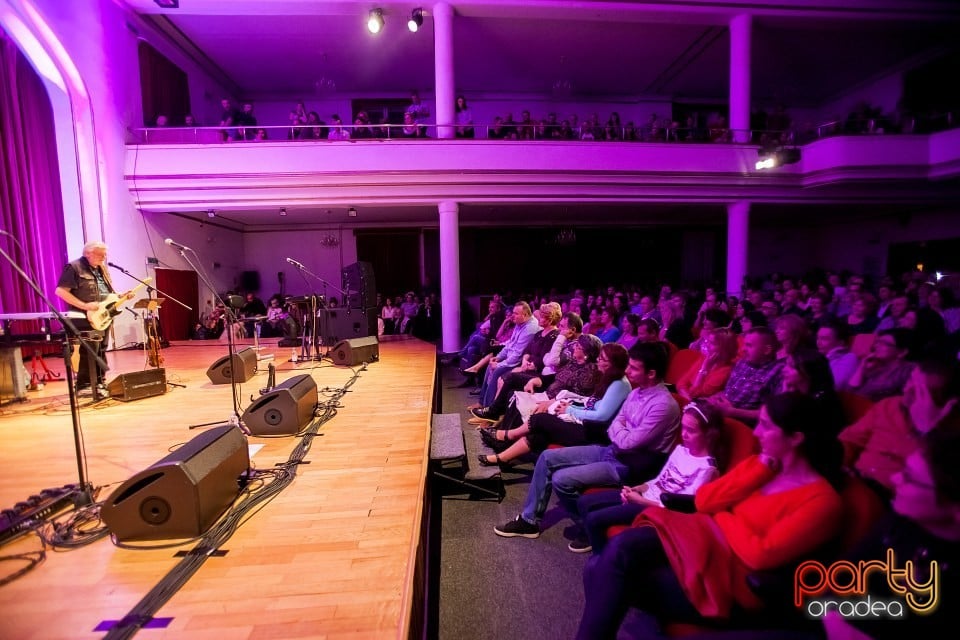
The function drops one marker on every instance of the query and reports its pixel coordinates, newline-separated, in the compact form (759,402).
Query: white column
(740,29)
(443,68)
(450,275)
(738,234)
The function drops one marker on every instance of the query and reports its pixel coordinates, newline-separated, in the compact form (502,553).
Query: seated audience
(754,377)
(807,371)
(609,331)
(878,443)
(767,512)
(512,353)
(641,435)
(884,371)
(833,341)
(708,375)
(561,421)
(530,367)
(694,462)
(628,330)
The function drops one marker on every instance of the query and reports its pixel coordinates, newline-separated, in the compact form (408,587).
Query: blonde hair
(551,313)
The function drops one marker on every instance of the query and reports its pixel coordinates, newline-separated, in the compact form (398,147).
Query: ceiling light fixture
(416,20)
(283,211)
(168,4)
(375,21)
(352,212)
(211,213)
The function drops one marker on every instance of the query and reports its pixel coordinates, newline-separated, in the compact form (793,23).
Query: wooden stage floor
(332,556)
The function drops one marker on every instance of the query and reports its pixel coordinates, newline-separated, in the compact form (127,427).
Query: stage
(332,556)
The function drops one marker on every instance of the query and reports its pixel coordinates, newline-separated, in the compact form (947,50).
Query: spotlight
(416,20)
(375,21)
(168,4)
(352,212)
(776,157)
(211,213)
(283,211)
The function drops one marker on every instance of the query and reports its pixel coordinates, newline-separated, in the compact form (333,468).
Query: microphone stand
(231,318)
(306,346)
(325,284)
(162,293)
(84,494)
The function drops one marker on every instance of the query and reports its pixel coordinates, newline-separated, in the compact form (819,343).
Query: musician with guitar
(85,285)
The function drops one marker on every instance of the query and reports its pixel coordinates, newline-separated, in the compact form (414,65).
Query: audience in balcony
(464,119)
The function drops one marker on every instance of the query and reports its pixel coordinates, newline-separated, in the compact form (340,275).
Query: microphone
(116,266)
(176,245)
(295,263)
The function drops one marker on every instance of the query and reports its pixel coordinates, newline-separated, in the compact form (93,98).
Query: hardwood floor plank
(329,557)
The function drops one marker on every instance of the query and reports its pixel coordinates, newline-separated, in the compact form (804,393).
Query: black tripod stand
(324,317)
(84,495)
(230,317)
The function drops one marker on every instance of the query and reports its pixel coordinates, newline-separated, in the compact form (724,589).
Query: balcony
(197,175)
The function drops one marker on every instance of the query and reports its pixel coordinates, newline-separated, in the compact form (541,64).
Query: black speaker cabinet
(356,351)
(338,324)
(359,284)
(138,384)
(285,409)
(182,495)
(244,366)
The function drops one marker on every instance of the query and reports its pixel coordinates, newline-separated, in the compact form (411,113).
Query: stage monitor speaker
(138,384)
(356,351)
(338,324)
(244,366)
(283,410)
(359,284)
(182,495)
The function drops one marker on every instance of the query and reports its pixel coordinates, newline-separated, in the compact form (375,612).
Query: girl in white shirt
(692,464)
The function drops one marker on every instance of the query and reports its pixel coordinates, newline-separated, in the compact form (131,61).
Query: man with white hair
(83,284)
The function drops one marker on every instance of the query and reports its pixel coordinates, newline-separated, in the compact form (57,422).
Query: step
(446,437)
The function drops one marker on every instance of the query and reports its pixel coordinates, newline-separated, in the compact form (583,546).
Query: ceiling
(282,48)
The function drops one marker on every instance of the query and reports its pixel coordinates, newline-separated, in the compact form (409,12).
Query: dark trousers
(98,342)
(547,429)
(513,381)
(604,509)
(632,569)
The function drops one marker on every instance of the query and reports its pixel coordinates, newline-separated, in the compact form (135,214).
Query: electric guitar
(109,308)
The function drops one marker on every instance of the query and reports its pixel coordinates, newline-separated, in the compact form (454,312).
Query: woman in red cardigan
(770,510)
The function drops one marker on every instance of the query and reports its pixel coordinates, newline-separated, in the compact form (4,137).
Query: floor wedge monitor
(356,351)
(138,384)
(244,366)
(183,494)
(284,410)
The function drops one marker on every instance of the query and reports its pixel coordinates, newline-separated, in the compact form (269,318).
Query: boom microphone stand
(166,295)
(84,494)
(231,318)
(343,294)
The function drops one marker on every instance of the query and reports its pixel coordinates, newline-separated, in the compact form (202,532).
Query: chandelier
(330,241)
(325,85)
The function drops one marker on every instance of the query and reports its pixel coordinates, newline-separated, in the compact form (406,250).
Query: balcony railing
(794,136)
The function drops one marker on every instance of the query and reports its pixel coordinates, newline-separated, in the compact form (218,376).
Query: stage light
(283,211)
(375,21)
(776,157)
(211,213)
(168,4)
(416,20)
(352,212)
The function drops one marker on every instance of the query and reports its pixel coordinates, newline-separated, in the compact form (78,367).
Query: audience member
(641,435)
(768,511)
